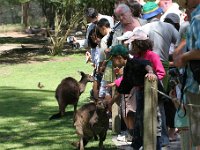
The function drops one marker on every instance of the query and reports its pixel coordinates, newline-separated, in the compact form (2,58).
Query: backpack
(110,38)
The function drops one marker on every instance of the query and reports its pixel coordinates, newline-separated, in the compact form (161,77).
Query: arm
(88,57)
(158,67)
(179,49)
(118,81)
(177,52)
(183,58)
(191,55)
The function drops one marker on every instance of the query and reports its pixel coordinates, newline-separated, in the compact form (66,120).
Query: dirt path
(12,36)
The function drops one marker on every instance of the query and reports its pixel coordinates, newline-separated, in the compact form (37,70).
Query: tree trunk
(24,19)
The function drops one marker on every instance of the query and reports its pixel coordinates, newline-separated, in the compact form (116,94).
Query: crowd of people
(152,38)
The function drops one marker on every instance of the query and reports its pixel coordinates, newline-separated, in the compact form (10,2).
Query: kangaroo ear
(81,73)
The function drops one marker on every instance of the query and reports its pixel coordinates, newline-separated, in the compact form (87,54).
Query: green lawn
(11,27)
(25,109)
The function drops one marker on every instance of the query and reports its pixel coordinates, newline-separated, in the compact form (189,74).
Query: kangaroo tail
(55,116)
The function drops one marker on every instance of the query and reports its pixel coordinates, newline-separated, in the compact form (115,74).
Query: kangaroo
(91,121)
(69,91)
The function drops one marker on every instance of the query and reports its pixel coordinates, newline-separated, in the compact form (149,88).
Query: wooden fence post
(150,115)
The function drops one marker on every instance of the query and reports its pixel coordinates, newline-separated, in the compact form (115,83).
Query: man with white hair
(127,21)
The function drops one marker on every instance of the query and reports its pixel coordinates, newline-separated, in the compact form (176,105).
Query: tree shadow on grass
(19,55)
(24,119)
(19,40)
(17,102)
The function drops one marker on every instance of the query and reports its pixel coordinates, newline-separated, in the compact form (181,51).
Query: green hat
(151,9)
(119,50)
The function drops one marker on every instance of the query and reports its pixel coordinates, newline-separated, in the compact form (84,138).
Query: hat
(173,17)
(138,34)
(151,9)
(125,36)
(119,50)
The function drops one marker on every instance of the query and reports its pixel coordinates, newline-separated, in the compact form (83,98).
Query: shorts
(128,102)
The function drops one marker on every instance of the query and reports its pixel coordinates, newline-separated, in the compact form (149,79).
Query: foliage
(15,1)
(59,37)
(103,6)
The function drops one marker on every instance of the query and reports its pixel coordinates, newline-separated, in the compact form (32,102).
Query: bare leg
(81,144)
(130,120)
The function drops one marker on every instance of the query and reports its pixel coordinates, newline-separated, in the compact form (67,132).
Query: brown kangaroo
(69,91)
(91,121)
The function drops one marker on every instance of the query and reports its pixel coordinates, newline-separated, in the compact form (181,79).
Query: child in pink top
(141,48)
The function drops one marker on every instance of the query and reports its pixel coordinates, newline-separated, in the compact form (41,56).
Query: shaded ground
(174,145)
(17,47)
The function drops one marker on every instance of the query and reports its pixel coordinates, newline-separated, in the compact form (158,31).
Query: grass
(11,27)
(25,109)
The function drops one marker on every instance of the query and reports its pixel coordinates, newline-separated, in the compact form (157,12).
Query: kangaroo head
(86,77)
(100,104)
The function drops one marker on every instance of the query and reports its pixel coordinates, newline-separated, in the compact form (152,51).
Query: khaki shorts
(128,103)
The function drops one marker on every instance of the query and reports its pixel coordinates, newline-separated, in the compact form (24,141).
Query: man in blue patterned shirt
(192,88)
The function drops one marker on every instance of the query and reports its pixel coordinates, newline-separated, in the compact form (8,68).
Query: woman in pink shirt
(141,48)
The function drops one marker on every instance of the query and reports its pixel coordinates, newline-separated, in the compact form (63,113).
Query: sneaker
(129,138)
(141,148)
(121,138)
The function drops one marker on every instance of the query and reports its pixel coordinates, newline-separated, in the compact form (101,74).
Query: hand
(87,56)
(102,69)
(110,85)
(151,76)
(179,61)
(172,93)
(107,50)
(176,102)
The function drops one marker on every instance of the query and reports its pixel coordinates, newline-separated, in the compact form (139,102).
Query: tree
(24,7)
(103,6)
(24,18)
(66,15)
(49,10)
